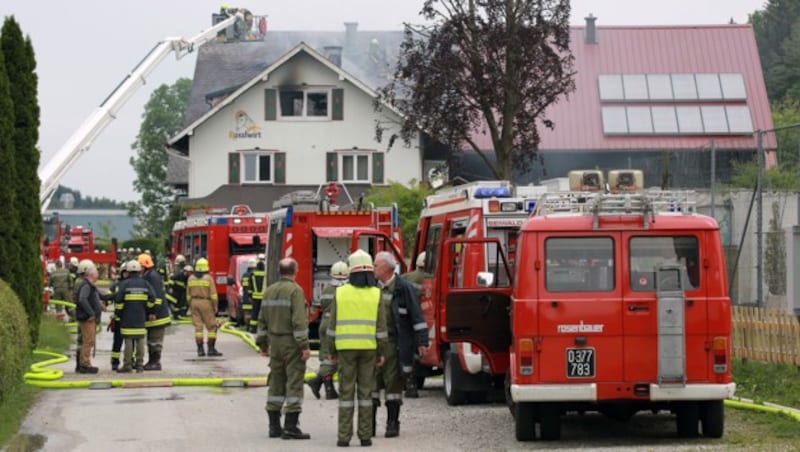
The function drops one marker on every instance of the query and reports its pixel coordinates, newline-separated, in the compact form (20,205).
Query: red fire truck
(66,241)
(219,235)
(488,209)
(619,304)
(317,233)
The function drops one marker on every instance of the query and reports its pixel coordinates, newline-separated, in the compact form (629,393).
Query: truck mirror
(231,281)
(485,279)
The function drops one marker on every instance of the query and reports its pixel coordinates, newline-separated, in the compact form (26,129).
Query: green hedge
(15,344)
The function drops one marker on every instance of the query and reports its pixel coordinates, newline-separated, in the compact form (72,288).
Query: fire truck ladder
(646,203)
(670,301)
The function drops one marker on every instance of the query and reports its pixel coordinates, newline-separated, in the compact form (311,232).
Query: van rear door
(580,308)
(477,306)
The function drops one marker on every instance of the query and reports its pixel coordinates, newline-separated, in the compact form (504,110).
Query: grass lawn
(53,336)
(776,383)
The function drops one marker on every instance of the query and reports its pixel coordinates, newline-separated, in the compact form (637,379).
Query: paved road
(215,419)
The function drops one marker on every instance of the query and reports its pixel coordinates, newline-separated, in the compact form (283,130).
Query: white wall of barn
(305,142)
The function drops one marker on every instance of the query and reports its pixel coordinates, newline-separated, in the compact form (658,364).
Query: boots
(87,370)
(114,364)
(274,424)
(315,384)
(411,387)
(154,363)
(212,350)
(200,351)
(376,403)
(77,360)
(393,420)
(290,428)
(330,390)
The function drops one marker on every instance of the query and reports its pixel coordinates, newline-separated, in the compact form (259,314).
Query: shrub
(15,343)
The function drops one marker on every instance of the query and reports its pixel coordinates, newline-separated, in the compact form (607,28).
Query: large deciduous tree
(777,30)
(162,118)
(20,67)
(483,67)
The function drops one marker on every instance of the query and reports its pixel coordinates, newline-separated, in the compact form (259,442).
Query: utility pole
(760,220)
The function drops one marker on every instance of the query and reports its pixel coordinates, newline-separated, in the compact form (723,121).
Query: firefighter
(358,331)
(113,325)
(78,277)
(88,311)
(246,303)
(283,336)
(415,278)
(176,288)
(61,282)
(201,295)
(158,318)
(408,333)
(339,274)
(134,301)
(257,283)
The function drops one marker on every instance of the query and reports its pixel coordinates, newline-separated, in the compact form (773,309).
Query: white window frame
(306,91)
(355,156)
(257,154)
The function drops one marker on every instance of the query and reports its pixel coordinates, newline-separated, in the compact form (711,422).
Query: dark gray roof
(260,198)
(370,57)
(177,169)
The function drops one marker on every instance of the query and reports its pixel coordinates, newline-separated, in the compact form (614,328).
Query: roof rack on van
(646,203)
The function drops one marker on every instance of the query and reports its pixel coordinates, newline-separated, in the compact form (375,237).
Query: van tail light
(474,349)
(494,206)
(719,348)
(525,353)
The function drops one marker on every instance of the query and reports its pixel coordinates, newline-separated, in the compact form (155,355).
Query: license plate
(580,362)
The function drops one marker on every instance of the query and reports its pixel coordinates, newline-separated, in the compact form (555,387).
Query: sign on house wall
(244,127)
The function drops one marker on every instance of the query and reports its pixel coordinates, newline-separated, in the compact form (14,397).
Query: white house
(299,123)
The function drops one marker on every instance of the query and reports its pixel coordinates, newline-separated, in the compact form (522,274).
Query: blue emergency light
(531,205)
(217,220)
(395,216)
(289,216)
(492,192)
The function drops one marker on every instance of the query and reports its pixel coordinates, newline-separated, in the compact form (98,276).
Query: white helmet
(421,260)
(179,258)
(134,266)
(73,261)
(340,270)
(85,265)
(251,263)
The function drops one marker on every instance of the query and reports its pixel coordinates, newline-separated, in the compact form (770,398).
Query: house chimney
(350,30)
(591,29)
(334,53)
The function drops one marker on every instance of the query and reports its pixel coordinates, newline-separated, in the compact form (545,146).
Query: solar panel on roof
(614,120)
(714,119)
(739,120)
(635,86)
(689,120)
(708,87)
(733,86)
(683,87)
(611,87)
(659,86)
(664,120)
(639,120)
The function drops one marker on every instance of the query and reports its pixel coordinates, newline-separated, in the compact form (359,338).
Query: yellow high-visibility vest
(356,317)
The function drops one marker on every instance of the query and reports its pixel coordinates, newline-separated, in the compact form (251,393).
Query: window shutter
(377,168)
(270,104)
(337,109)
(280,167)
(331,167)
(233,168)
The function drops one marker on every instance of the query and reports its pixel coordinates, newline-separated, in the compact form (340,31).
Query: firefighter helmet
(85,265)
(145,260)
(134,266)
(262,256)
(179,258)
(251,263)
(201,265)
(188,268)
(339,270)
(421,260)
(123,267)
(73,261)
(360,261)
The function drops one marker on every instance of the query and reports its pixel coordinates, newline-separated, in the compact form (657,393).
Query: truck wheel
(419,381)
(687,418)
(452,372)
(712,418)
(524,426)
(550,421)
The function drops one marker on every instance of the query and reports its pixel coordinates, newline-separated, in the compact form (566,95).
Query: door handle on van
(637,308)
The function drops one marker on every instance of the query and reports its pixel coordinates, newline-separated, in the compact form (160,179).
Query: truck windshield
(648,253)
(579,264)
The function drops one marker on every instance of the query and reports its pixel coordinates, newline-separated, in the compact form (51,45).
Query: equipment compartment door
(476,311)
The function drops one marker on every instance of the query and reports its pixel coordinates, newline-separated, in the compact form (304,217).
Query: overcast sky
(84,48)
